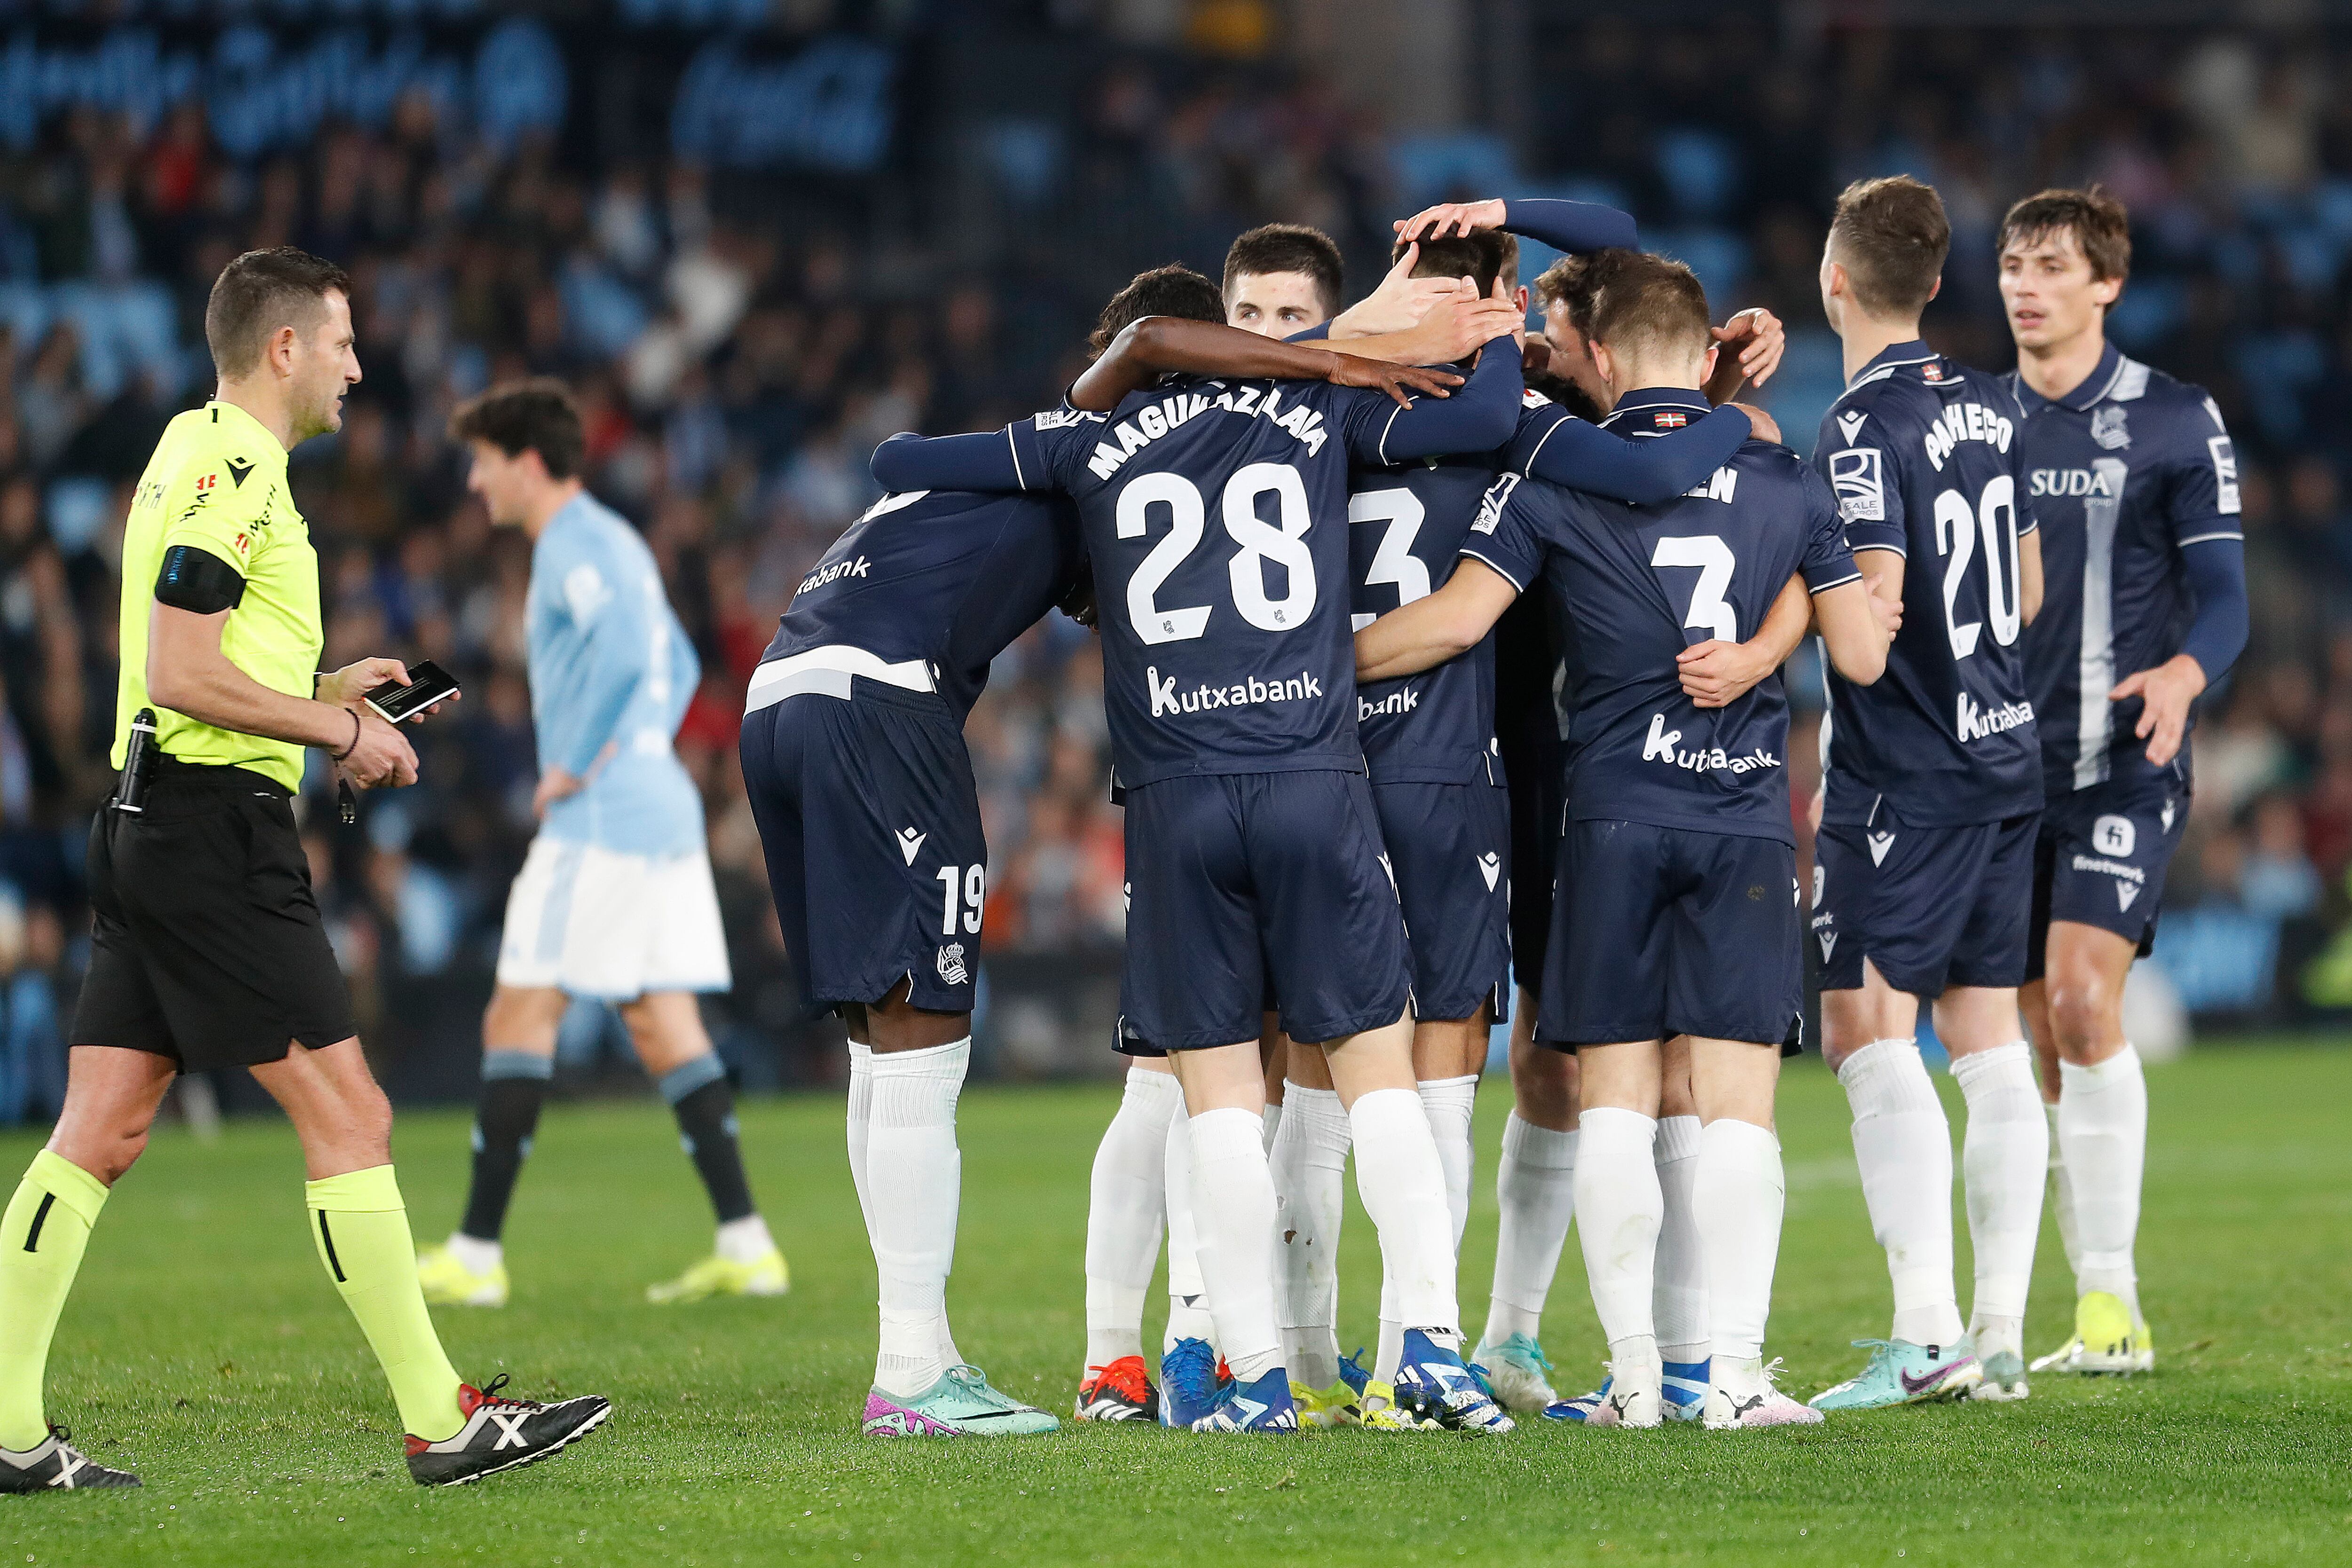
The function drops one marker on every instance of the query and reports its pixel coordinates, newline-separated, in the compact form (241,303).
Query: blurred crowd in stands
(738,365)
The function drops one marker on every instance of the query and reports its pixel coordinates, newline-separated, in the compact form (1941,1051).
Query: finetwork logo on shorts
(1166,700)
(1973,722)
(1660,743)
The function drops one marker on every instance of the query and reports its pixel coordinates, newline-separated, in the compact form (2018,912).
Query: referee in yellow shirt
(207,949)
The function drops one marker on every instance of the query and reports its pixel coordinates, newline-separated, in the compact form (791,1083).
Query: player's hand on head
(2168,692)
(1399,381)
(1763,426)
(1758,337)
(1398,303)
(382,756)
(1464,323)
(1451,217)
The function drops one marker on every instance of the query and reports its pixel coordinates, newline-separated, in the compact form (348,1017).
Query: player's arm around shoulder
(1858,625)
(1436,626)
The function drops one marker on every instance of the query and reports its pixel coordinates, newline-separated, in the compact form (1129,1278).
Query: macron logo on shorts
(1166,701)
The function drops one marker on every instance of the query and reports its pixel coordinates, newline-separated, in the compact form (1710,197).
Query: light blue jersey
(610,675)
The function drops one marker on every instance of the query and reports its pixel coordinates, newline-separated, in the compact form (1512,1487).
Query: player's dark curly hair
(534,415)
(1175,289)
(2096,220)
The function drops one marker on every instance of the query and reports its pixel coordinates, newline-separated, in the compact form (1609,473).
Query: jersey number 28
(1260,542)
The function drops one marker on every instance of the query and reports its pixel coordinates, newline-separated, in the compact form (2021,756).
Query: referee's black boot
(502,1434)
(56,1463)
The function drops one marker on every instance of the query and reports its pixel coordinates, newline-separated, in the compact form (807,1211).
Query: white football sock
(1387,1353)
(1403,1184)
(861,1111)
(1233,1216)
(1310,1166)
(914,1175)
(1536,1188)
(1619,1207)
(2004,1156)
(744,1241)
(1450,1103)
(1188,1298)
(2103,1124)
(1127,1209)
(1270,1116)
(1739,1193)
(1904,1146)
(2061,1197)
(1678,1289)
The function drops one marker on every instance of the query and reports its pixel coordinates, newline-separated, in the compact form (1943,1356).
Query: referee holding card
(208,951)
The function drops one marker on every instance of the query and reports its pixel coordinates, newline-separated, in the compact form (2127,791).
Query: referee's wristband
(354,746)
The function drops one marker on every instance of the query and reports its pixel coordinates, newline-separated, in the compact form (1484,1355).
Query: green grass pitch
(204,1347)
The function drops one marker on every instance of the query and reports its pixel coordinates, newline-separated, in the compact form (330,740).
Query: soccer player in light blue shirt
(615,899)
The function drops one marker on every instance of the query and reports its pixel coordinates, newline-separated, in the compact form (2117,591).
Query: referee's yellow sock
(41,1242)
(361,1227)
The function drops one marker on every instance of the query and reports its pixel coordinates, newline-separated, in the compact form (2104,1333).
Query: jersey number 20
(1260,543)
(1957,527)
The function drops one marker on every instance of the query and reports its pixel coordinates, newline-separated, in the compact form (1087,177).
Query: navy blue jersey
(1923,457)
(1213,516)
(1406,525)
(945,577)
(2122,472)
(1633,586)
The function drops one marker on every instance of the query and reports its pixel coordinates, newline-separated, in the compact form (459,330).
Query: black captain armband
(198,582)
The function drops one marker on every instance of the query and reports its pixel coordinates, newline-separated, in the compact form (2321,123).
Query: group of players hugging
(1368,778)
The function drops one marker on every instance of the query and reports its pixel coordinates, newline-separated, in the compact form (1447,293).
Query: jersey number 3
(1260,542)
(1709,611)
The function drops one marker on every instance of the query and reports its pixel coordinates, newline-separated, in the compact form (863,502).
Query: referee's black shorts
(207,945)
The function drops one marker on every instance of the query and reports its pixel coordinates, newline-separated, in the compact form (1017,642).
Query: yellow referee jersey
(218,483)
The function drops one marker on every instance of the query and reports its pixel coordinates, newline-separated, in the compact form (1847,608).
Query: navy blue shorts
(1449,846)
(1659,932)
(1242,884)
(871,823)
(1929,907)
(2101,857)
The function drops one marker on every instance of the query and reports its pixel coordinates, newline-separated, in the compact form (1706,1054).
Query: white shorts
(597,922)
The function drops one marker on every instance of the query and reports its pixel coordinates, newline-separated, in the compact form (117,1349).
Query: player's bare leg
(2101,1142)
(1904,1146)
(2004,1157)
